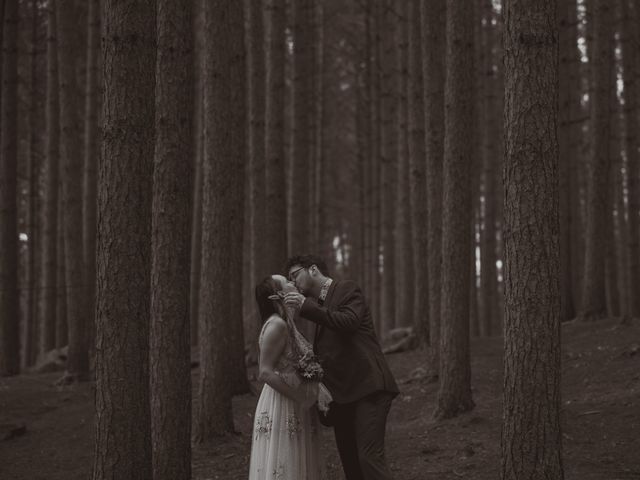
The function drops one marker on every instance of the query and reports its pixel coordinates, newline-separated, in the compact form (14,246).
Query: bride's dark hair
(266,288)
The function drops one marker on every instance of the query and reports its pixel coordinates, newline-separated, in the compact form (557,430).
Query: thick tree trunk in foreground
(124,243)
(170,343)
(531,437)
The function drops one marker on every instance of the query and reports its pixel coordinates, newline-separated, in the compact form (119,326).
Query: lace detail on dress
(293,424)
(263,425)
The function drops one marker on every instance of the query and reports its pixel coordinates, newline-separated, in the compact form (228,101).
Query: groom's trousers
(359,430)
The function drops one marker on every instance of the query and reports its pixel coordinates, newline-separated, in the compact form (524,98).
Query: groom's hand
(293,299)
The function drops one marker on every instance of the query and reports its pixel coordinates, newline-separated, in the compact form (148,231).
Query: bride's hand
(306,395)
(294,300)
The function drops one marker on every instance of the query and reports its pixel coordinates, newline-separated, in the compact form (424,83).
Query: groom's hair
(306,261)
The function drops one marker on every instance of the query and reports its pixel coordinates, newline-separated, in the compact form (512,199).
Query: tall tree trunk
(49,212)
(631,67)
(124,266)
(366,161)
(223,198)
(474,303)
(71,155)
(433,68)
(302,21)
(418,166)
(275,216)
(9,308)
(235,252)
(198,152)
(62,325)
(404,237)
(569,94)
(32,340)
(170,352)
(316,171)
(93,99)
(375,192)
(454,395)
(531,436)
(388,160)
(256,105)
(593,303)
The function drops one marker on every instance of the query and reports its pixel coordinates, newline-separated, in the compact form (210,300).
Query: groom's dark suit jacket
(347,345)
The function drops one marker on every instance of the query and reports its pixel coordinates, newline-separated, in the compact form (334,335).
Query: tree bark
(124,243)
(9,308)
(62,325)
(198,152)
(49,212)
(569,94)
(531,436)
(32,330)
(276,195)
(375,182)
(223,199)
(454,395)
(404,235)
(301,160)
(593,303)
(170,352)
(71,174)
(256,69)
(93,99)
(433,69)
(388,162)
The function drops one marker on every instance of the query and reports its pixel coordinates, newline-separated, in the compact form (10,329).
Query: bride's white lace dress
(285,442)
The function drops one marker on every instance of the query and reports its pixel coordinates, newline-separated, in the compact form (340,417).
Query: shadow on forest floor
(601,419)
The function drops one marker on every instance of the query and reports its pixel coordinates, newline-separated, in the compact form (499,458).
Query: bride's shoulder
(275,322)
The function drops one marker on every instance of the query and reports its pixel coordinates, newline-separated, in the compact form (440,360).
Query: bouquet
(309,368)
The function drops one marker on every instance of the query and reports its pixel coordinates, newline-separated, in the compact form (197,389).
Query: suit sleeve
(345,316)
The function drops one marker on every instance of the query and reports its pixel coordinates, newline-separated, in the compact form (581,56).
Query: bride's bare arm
(273,342)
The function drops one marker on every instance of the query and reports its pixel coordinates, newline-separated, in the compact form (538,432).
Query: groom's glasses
(293,275)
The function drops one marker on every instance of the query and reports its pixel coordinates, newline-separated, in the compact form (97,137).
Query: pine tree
(593,303)
(71,176)
(275,214)
(49,211)
(124,243)
(223,196)
(9,310)
(93,100)
(433,43)
(531,436)
(170,352)
(454,395)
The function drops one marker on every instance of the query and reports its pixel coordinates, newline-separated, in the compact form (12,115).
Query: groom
(356,372)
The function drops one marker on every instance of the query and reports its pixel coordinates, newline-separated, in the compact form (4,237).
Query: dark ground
(601,419)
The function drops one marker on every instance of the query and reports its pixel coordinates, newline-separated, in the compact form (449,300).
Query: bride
(285,441)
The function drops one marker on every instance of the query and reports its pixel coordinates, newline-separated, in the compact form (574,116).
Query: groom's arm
(346,316)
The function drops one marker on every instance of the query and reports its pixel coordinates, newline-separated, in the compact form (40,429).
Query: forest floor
(600,417)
